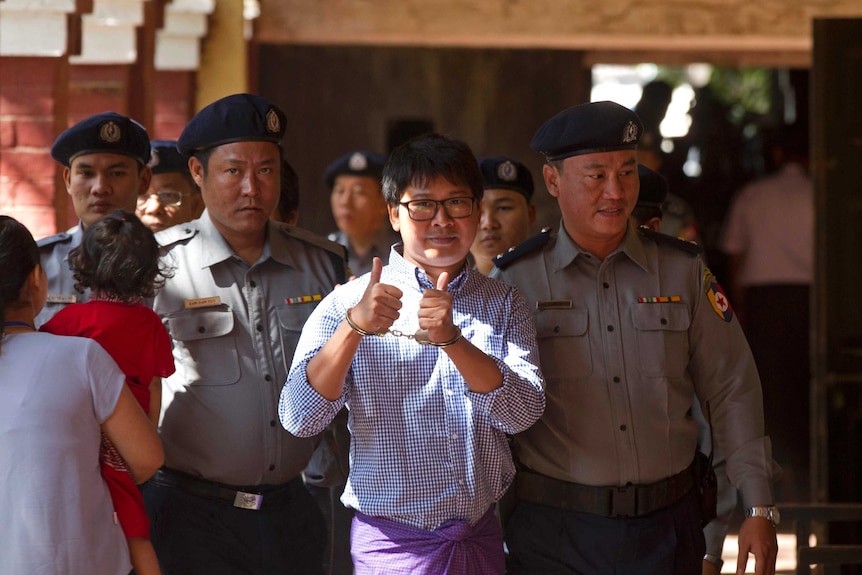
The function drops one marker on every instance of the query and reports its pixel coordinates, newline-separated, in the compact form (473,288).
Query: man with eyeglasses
(437,364)
(173,196)
(104,160)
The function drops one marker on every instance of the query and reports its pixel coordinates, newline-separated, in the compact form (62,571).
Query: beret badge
(507,171)
(358,162)
(273,124)
(110,132)
(630,133)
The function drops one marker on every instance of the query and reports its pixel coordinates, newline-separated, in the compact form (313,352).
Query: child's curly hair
(119,256)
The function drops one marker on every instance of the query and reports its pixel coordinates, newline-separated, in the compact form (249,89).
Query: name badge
(202,302)
(554,304)
(303,299)
(61,298)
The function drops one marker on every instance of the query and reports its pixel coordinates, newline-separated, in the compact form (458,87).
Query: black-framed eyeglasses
(455,208)
(167,198)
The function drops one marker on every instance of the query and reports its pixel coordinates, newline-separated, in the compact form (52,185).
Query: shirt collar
(404,268)
(566,250)
(215,249)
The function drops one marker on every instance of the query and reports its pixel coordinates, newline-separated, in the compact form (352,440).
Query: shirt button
(616,380)
(259,327)
(556,329)
(272,423)
(454,436)
(606,285)
(623,427)
(267,377)
(450,392)
(610,328)
(663,321)
(252,283)
(272,467)
(202,329)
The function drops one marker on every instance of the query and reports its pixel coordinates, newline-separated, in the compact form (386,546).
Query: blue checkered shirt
(424,449)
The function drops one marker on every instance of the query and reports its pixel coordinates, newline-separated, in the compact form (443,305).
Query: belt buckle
(624,501)
(250,501)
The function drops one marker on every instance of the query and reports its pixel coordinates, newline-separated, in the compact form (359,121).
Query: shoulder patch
(660,238)
(176,234)
(506,258)
(60,238)
(310,237)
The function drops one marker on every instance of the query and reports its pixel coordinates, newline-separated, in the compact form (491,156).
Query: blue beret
(500,172)
(654,188)
(236,118)
(588,129)
(165,158)
(108,133)
(358,163)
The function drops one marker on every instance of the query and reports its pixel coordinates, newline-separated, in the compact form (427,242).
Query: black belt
(243,497)
(625,501)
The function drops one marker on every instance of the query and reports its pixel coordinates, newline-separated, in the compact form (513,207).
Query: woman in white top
(56,395)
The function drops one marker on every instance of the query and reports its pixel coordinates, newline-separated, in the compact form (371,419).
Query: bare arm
(134,436)
(155,400)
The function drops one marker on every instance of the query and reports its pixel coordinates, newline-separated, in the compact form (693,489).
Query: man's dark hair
(119,257)
(418,161)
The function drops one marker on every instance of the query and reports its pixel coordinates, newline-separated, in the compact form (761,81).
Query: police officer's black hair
(418,161)
(18,256)
(118,258)
(288,197)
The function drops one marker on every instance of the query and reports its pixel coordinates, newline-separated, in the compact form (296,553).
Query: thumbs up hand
(435,311)
(378,308)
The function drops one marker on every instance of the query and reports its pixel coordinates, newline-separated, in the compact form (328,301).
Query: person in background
(58,395)
(436,363)
(648,213)
(104,160)
(631,326)
(230,498)
(173,197)
(359,208)
(769,239)
(506,209)
(287,209)
(118,260)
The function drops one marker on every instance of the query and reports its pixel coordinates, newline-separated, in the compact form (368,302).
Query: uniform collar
(215,249)
(566,250)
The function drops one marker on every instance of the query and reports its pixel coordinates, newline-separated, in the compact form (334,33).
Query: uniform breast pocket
(564,343)
(204,345)
(662,338)
(291,318)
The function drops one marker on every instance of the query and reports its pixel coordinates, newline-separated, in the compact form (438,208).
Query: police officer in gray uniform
(105,168)
(356,199)
(631,325)
(231,498)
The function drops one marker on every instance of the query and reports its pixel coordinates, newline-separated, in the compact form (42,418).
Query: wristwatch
(768,511)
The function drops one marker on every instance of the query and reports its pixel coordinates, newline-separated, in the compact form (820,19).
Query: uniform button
(252,283)
(616,380)
(267,377)
(663,321)
(556,329)
(272,467)
(610,328)
(606,285)
(623,427)
(201,329)
(272,423)
(259,327)
(454,436)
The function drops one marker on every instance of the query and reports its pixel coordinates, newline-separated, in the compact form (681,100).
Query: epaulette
(175,234)
(660,238)
(337,251)
(503,260)
(62,237)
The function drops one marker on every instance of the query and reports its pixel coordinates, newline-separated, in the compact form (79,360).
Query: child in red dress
(118,259)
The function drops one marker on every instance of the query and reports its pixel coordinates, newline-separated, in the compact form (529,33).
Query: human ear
(552,179)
